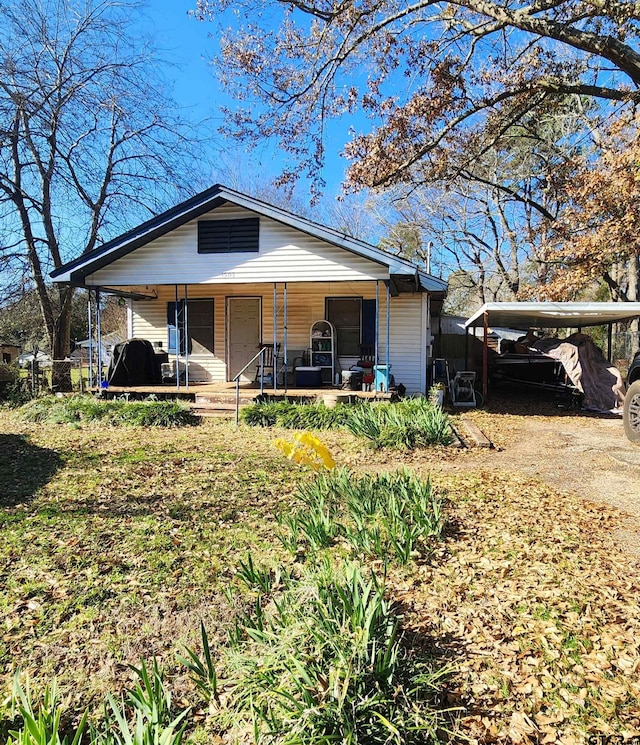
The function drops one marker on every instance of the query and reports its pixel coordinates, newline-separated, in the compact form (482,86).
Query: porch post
(99,333)
(177,351)
(186,337)
(388,363)
(466,346)
(485,356)
(90,321)
(285,335)
(275,336)
(375,354)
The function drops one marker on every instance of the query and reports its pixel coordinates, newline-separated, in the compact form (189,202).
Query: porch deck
(226,392)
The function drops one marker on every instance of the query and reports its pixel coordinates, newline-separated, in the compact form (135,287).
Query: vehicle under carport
(544,315)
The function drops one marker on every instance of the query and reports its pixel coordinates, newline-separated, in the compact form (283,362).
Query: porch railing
(260,355)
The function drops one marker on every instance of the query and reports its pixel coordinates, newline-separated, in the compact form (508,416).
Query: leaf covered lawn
(116,545)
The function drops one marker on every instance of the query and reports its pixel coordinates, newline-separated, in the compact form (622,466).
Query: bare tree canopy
(88,138)
(429,75)
(597,236)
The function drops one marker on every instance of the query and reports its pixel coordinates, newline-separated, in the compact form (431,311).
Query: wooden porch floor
(227,391)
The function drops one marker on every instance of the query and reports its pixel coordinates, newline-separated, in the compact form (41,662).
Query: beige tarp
(587,369)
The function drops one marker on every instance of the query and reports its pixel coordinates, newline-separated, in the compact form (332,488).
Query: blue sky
(187,42)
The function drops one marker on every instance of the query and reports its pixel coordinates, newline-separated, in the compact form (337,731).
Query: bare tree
(433,77)
(88,138)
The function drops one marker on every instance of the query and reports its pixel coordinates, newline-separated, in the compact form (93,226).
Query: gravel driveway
(585,454)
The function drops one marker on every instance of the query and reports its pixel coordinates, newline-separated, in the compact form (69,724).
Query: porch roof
(405,272)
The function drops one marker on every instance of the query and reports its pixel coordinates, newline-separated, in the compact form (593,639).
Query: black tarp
(134,362)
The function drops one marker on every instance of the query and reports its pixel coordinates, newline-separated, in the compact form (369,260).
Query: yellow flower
(309,451)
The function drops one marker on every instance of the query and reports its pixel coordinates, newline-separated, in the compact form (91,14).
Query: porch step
(222,399)
(215,409)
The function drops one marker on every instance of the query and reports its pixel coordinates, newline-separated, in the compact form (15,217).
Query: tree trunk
(61,345)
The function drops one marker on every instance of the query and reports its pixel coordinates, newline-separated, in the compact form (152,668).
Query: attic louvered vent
(228,236)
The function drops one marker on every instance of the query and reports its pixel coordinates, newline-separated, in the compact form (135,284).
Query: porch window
(197,318)
(354,319)
(228,236)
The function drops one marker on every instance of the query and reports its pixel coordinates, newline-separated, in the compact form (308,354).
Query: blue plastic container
(383,377)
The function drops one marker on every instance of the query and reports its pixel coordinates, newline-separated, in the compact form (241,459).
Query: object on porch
(134,362)
(265,371)
(323,349)
(352,379)
(308,377)
(170,370)
(462,389)
(383,378)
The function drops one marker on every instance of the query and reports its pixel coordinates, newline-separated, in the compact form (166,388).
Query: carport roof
(553,315)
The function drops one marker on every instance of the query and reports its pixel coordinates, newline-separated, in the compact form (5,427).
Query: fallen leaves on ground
(123,545)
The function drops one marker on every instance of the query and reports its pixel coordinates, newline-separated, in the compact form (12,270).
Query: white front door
(244,319)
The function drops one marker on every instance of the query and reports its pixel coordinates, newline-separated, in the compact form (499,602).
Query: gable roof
(75,271)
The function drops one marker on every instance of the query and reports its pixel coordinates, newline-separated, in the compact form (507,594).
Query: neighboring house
(107,343)
(42,358)
(9,353)
(230,272)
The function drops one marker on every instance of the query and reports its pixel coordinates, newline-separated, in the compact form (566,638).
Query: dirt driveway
(585,454)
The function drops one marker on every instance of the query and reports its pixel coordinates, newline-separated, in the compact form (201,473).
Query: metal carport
(528,315)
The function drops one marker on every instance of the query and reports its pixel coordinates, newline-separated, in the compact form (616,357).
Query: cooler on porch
(308,377)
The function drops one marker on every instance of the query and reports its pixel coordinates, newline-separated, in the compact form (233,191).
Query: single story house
(212,279)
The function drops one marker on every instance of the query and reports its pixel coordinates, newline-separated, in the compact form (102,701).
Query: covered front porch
(281,336)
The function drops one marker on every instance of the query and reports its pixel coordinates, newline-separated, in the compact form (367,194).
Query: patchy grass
(117,548)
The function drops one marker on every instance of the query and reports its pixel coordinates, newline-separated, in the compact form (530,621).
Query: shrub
(118,413)
(14,389)
(409,424)
(296,416)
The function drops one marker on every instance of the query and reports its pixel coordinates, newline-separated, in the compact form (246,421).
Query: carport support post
(466,347)
(485,357)
(387,360)
(609,341)
(375,353)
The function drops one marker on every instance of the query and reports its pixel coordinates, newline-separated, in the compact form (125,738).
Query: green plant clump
(144,716)
(323,662)
(390,516)
(409,424)
(296,416)
(117,413)
(14,389)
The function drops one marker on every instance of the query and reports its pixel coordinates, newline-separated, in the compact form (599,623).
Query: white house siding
(408,341)
(305,304)
(285,255)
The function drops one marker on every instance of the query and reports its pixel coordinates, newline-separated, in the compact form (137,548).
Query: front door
(244,320)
